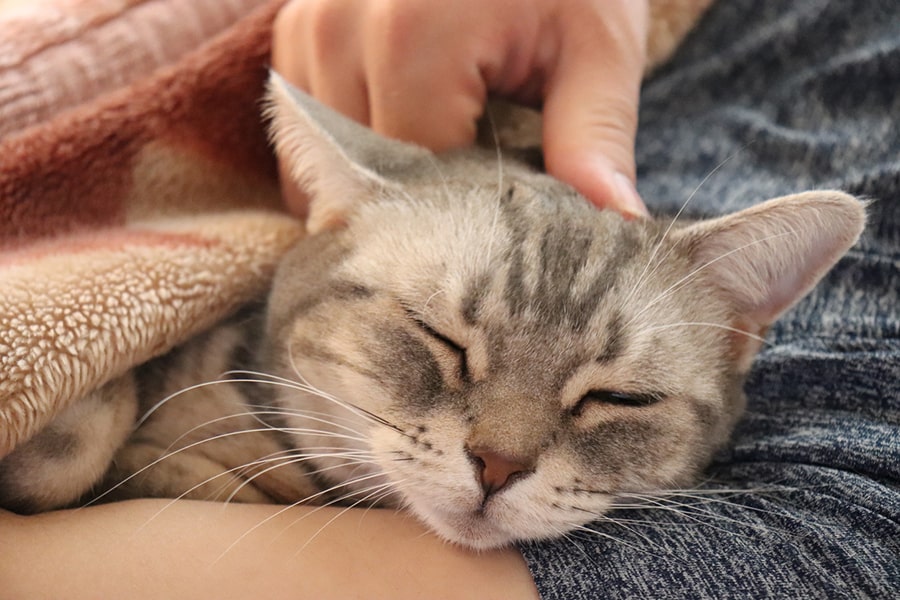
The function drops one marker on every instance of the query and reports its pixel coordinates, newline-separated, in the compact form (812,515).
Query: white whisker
(279,382)
(594,532)
(665,235)
(221,436)
(374,490)
(287,508)
(372,417)
(499,196)
(624,524)
(687,278)
(346,458)
(352,435)
(700,324)
(697,514)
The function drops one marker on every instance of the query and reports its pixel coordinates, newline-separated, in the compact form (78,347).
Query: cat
(460,336)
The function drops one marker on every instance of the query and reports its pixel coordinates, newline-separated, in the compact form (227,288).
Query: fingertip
(592,148)
(628,200)
(601,184)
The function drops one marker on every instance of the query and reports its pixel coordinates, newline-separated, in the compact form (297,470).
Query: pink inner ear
(789,288)
(313,159)
(803,263)
(768,257)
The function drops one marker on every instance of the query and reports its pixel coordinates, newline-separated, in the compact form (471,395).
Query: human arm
(188,549)
(421,71)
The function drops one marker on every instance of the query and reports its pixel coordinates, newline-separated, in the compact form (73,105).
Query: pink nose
(497,471)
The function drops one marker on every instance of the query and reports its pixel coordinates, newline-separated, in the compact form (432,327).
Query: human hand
(421,71)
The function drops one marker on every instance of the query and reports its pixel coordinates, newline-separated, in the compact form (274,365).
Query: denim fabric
(769,98)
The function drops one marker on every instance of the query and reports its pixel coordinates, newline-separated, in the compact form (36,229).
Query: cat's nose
(497,471)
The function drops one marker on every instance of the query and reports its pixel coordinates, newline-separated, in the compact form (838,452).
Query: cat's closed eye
(451,346)
(615,398)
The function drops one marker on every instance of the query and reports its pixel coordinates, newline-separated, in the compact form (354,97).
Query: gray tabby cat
(467,340)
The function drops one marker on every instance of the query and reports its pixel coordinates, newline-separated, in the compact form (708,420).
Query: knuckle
(326,19)
(398,23)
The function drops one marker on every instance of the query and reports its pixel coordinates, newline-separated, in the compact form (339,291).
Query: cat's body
(468,340)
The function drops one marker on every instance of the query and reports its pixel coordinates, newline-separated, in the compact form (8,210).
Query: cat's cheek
(433,481)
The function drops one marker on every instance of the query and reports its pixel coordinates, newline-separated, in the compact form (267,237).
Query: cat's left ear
(766,258)
(336,161)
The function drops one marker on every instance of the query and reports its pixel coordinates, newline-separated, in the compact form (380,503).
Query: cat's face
(503,359)
(531,366)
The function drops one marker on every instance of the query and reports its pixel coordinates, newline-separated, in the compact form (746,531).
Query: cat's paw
(60,464)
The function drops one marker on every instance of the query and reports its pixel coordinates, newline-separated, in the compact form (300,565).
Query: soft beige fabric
(138,199)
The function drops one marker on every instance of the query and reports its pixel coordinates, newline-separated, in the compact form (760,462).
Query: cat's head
(519,359)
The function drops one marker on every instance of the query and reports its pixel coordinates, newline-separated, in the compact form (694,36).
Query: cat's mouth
(479,526)
(464,512)
(474,529)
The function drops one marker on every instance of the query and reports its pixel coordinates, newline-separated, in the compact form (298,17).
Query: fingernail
(630,202)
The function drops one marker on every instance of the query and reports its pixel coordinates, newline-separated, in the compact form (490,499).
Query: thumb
(591,107)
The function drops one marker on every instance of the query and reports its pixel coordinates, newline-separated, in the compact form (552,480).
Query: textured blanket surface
(138,198)
(139,201)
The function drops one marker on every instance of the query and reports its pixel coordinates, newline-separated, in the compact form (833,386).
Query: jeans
(767,98)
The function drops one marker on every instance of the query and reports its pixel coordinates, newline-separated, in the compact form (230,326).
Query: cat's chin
(473,530)
(481,529)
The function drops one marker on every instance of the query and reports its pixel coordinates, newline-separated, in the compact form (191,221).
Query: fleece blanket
(139,201)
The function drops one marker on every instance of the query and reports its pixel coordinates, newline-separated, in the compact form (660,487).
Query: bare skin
(187,549)
(421,71)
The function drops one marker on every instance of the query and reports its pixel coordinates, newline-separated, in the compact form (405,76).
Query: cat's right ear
(336,161)
(764,259)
